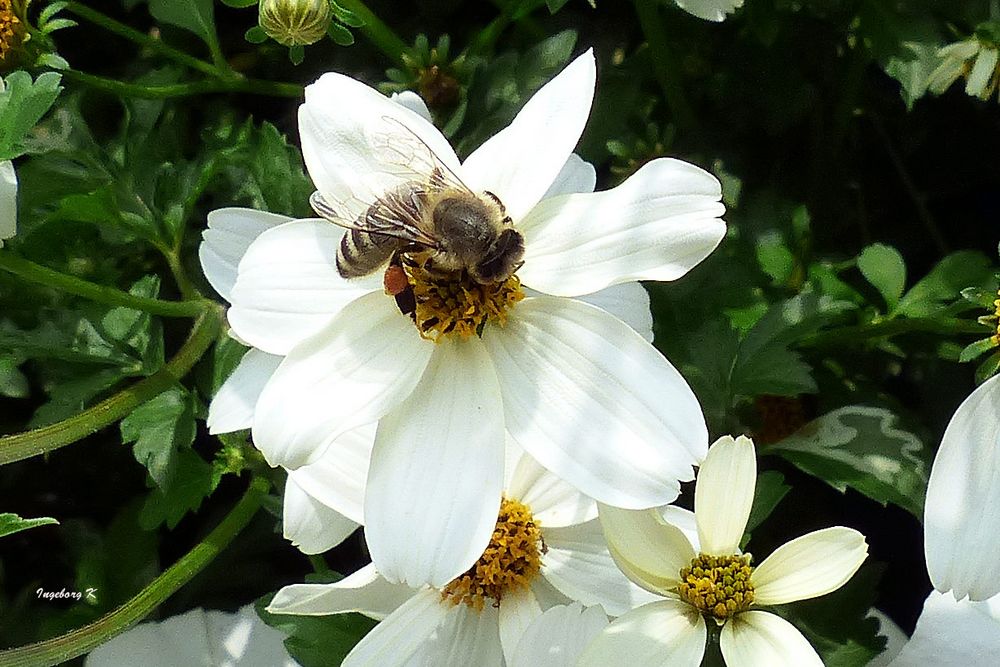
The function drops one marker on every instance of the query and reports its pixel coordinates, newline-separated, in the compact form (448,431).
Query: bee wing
(409,157)
(396,215)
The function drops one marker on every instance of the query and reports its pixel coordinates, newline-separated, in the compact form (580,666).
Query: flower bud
(295,22)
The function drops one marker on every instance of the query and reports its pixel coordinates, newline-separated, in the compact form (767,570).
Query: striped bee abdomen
(361,253)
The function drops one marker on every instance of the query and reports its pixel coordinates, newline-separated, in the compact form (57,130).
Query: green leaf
(240,4)
(774,257)
(912,68)
(884,268)
(198,16)
(977,349)
(22,105)
(159,429)
(988,368)
(12,523)
(861,447)
(770,490)
(194,479)
(317,641)
(255,35)
(945,283)
(340,35)
(296,54)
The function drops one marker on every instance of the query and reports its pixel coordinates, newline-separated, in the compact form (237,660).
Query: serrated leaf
(885,269)
(862,448)
(945,283)
(12,523)
(198,16)
(314,641)
(194,479)
(159,429)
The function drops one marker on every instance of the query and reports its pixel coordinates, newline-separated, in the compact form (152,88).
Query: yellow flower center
(451,303)
(718,586)
(10,27)
(996,315)
(511,561)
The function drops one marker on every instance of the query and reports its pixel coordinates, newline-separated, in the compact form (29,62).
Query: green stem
(110,296)
(665,62)
(142,39)
(82,640)
(121,88)
(49,438)
(855,335)
(377,32)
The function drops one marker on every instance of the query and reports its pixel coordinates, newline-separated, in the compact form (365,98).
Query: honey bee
(433,214)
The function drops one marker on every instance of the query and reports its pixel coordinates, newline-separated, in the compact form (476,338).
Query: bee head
(501,259)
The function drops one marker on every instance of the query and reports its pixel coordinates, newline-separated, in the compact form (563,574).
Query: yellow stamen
(10,28)
(718,586)
(511,561)
(452,303)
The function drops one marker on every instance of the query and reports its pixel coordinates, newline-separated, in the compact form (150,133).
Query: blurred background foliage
(840,323)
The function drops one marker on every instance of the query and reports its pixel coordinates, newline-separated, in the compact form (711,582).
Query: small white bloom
(974,59)
(960,623)
(546,548)
(558,636)
(662,558)
(198,637)
(8,201)
(710,10)
(571,383)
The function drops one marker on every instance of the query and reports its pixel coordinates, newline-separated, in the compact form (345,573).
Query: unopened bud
(295,22)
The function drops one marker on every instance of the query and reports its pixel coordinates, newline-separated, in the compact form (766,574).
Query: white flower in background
(571,383)
(8,200)
(710,10)
(707,579)
(974,59)
(960,623)
(546,548)
(197,638)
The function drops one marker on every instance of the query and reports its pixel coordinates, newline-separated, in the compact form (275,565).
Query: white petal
(436,474)
(233,405)
(309,524)
(244,640)
(8,201)
(710,10)
(396,640)
(337,479)
(595,403)
(355,370)
(414,103)
(724,494)
(579,565)
(517,610)
(648,550)
(809,566)
(558,637)
(952,633)
(365,592)
(657,225)
(357,144)
(552,501)
(668,633)
(521,162)
(230,232)
(685,521)
(288,287)
(895,638)
(178,640)
(577,175)
(982,72)
(761,639)
(467,637)
(629,302)
(962,511)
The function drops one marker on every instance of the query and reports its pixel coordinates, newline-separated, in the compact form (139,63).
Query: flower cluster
(466,371)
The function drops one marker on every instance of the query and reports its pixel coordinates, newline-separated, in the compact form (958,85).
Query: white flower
(571,383)
(710,10)
(546,548)
(960,623)
(558,636)
(973,59)
(663,558)
(197,638)
(8,200)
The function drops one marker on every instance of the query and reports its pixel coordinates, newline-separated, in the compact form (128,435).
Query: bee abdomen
(361,253)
